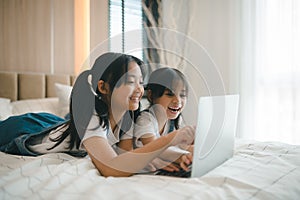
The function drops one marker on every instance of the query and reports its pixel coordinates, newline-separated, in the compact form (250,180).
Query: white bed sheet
(257,171)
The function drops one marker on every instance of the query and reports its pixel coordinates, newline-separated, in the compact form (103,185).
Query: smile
(135,98)
(174,109)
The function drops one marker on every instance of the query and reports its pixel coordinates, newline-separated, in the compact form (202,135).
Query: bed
(258,170)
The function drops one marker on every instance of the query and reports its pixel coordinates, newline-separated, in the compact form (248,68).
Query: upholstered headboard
(19,86)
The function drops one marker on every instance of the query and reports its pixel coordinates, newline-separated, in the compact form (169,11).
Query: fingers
(150,167)
(166,165)
(189,132)
(184,136)
(171,168)
(186,160)
(191,149)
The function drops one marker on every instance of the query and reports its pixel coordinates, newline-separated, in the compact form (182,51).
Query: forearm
(135,160)
(110,164)
(172,154)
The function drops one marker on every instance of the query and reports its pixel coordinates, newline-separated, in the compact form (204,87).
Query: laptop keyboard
(181,173)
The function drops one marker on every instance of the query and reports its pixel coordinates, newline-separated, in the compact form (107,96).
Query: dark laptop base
(181,173)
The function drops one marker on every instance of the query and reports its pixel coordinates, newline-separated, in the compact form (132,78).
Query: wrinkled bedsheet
(258,170)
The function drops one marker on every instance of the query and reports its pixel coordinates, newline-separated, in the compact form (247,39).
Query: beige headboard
(18,86)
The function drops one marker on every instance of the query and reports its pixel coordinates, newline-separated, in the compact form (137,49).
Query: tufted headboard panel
(18,86)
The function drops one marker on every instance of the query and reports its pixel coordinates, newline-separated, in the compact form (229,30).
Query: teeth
(174,109)
(134,98)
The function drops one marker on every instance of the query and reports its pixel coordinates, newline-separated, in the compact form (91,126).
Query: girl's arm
(110,164)
(127,144)
(176,155)
(172,154)
(168,156)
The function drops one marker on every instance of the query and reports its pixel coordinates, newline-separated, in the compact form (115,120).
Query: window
(125,27)
(271,71)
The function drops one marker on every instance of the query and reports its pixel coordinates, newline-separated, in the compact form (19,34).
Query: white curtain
(270,70)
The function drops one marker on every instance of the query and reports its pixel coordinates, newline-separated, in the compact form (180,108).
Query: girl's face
(173,102)
(129,94)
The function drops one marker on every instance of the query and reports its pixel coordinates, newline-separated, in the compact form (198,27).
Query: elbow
(114,173)
(107,171)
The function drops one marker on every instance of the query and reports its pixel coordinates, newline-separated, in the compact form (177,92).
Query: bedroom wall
(25,35)
(213,25)
(39,36)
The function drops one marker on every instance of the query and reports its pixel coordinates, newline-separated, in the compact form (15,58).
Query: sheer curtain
(270,70)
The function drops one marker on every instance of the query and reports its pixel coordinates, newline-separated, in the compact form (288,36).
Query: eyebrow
(134,76)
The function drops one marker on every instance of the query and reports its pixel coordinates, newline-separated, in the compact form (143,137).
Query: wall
(43,35)
(211,28)
(25,35)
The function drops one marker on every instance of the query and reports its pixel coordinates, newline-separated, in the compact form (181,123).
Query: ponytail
(86,99)
(81,110)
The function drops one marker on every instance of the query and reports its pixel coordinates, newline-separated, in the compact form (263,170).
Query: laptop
(214,137)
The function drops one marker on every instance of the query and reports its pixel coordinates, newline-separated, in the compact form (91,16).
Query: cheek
(183,101)
(121,92)
(164,103)
(119,96)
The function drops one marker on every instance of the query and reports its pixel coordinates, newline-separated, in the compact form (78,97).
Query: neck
(161,119)
(114,118)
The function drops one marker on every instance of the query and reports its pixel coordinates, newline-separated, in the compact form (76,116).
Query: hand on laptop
(185,160)
(158,163)
(183,137)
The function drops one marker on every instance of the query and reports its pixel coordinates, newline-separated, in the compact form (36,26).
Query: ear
(103,87)
(149,96)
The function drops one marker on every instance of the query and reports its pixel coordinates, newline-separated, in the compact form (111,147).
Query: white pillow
(63,93)
(49,105)
(5,108)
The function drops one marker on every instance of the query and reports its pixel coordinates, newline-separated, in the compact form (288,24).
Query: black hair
(86,98)
(164,79)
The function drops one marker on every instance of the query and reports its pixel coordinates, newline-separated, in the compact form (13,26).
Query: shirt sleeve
(128,134)
(181,122)
(94,129)
(146,124)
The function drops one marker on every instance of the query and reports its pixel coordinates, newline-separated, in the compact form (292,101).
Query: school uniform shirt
(146,125)
(93,129)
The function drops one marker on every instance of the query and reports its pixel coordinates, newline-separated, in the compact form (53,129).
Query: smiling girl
(167,92)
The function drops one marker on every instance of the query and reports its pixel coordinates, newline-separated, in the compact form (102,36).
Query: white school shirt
(147,123)
(112,137)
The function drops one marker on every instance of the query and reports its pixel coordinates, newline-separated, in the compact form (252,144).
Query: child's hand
(186,160)
(184,137)
(190,149)
(158,163)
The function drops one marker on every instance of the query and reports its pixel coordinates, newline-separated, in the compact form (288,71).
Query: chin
(133,107)
(173,117)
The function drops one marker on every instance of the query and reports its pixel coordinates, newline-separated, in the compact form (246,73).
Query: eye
(183,95)
(141,82)
(130,81)
(169,93)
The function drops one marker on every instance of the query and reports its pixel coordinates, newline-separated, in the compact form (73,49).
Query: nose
(176,99)
(139,87)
